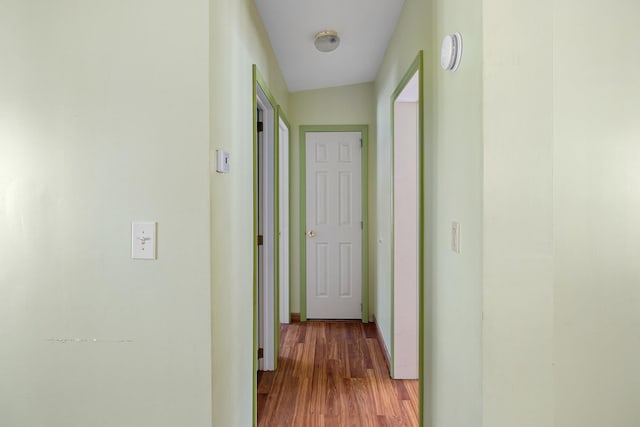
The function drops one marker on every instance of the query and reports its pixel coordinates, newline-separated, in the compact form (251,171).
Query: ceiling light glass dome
(327,41)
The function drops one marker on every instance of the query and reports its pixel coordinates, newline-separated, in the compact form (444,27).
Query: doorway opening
(265,174)
(407,283)
(271,140)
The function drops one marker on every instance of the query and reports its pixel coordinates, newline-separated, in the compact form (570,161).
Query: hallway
(333,373)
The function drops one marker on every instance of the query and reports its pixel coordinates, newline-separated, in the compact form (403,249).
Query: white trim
(284,221)
(406,226)
(266,270)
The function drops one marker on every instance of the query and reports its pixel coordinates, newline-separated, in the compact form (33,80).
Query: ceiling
(364,27)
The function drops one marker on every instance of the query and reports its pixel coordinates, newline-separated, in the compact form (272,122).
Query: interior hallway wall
(453,185)
(562,94)
(238,40)
(104,120)
(352,105)
(518,214)
(596,157)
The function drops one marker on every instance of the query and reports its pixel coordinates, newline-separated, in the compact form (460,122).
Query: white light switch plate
(222,161)
(143,240)
(455,237)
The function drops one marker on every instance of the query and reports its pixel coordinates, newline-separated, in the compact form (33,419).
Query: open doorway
(405,232)
(266,227)
(266,239)
(408,219)
(271,228)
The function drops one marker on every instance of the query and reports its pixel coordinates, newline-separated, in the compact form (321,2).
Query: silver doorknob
(311,233)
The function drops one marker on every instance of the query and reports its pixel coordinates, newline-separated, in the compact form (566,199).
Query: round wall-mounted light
(451,51)
(327,41)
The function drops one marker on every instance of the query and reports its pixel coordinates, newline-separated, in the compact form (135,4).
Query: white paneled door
(334,225)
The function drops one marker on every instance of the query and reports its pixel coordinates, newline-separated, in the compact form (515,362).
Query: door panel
(334,225)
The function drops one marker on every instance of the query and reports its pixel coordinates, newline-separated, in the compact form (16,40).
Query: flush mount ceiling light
(327,41)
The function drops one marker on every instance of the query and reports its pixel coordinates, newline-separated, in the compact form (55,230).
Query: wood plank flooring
(333,374)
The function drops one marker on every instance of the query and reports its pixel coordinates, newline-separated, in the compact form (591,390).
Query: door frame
(259,81)
(364,132)
(263,97)
(417,66)
(283,290)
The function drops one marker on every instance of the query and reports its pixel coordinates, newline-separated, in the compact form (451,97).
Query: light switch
(455,237)
(143,240)
(222,161)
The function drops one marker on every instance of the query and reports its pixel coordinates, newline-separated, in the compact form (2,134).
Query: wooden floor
(333,374)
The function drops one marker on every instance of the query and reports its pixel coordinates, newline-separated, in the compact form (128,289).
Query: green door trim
(258,80)
(417,66)
(364,132)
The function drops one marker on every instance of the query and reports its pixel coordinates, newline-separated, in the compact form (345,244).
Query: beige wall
(104,119)
(238,40)
(352,105)
(453,169)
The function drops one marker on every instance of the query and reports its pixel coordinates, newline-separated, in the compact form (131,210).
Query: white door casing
(284,220)
(334,225)
(406,226)
(266,228)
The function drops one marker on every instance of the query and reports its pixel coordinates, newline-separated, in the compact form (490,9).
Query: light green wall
(518,214)
(596,167)
(531,145)
(104,120)
(453,184)
(238,40)
(352,105)
(562,94)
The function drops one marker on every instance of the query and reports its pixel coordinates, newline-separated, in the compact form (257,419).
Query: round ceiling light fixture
(327,41)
